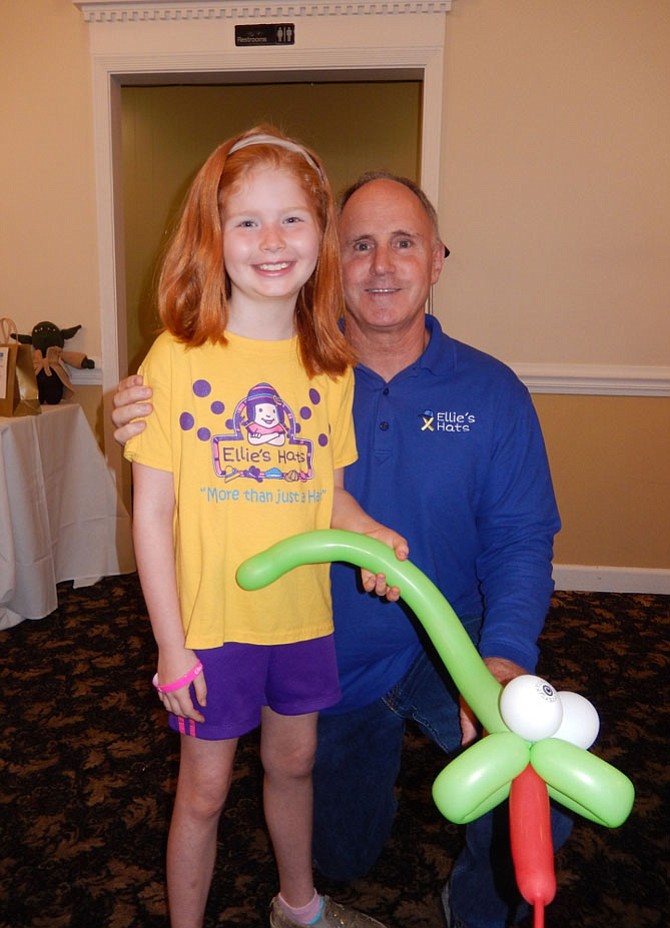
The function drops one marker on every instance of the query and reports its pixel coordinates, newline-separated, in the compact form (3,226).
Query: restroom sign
(265,34)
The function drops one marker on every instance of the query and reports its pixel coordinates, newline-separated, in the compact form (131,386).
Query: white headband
(273,140)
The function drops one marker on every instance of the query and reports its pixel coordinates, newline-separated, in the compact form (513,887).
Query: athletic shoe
(333,915)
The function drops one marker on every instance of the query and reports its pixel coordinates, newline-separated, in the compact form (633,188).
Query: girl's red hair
(193,287)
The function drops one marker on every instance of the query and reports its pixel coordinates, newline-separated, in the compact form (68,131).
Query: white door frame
(187,41)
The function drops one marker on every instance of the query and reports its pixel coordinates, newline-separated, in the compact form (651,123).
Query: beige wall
(555,194)
(609,459)
(47,196)
(554,199)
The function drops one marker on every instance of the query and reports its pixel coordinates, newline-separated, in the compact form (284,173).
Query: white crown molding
(110,11)
(594,379)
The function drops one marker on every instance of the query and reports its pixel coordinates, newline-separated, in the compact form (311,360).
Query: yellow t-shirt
(252,444)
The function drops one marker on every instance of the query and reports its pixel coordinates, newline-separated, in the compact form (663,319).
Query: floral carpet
(88,770)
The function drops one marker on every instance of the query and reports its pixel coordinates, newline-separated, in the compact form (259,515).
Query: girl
(249,295)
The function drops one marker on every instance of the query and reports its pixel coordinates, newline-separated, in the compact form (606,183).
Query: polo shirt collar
(437,357)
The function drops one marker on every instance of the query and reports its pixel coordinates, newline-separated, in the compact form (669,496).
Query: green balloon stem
(475,682)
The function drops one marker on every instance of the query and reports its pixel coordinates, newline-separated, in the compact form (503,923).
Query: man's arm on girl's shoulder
(131,405)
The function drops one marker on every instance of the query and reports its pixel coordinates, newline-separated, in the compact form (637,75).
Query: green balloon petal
(479,779)
(470,674)
(582,782)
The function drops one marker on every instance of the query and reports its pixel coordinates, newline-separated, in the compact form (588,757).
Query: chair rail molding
(156,10)
(594,379)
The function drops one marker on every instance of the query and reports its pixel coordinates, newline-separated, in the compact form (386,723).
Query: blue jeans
(357,764)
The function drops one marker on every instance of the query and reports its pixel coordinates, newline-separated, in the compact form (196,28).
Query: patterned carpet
(87,773)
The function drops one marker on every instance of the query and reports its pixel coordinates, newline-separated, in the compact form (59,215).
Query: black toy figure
(50,358)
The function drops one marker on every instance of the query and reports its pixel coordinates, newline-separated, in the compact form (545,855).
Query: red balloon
(530,838)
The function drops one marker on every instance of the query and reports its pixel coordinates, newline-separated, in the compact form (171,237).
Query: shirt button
(385,391)
(384,426)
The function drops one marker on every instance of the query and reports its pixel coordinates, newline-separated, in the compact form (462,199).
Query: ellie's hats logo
(446,421)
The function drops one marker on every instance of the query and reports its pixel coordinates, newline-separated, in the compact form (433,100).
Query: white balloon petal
(581,722)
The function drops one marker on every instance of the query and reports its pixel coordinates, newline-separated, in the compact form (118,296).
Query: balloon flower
(536,740)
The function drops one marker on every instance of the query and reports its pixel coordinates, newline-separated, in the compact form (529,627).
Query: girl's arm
(153,513)
(348,514)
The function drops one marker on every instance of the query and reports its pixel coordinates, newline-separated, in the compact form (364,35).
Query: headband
(281,143)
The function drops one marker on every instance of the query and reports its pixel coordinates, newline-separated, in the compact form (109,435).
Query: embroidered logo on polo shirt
(446,421)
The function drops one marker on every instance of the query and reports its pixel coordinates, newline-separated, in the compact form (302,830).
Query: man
(451,454)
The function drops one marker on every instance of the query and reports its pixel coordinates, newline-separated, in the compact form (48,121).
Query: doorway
(167,131)
(169,42)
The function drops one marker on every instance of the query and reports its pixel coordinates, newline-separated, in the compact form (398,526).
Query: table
(61,517)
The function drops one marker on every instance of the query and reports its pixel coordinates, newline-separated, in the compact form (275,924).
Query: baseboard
(577,577)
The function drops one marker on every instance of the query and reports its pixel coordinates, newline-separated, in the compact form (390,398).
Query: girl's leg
(288,744)
(205,772)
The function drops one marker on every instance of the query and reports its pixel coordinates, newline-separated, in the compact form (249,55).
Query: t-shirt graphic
(263,442)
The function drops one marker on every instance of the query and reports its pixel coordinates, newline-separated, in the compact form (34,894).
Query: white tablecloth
(60,515)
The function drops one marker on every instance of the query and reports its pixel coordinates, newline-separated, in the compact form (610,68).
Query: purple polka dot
(186,421)
(314,396)
(217,407)
(323,440)
(305,412)
(204,434)
(229,424)
(202,388)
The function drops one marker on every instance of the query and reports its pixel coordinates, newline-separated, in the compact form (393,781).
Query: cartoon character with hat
(264,421)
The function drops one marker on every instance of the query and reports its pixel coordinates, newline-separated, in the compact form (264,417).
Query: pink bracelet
(177,684)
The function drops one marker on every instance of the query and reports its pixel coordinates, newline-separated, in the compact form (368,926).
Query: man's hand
(130,407)
(503,671)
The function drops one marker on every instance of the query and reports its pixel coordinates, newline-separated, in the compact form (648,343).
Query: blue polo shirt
(451,455)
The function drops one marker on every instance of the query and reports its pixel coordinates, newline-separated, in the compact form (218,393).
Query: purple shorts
(292,679)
